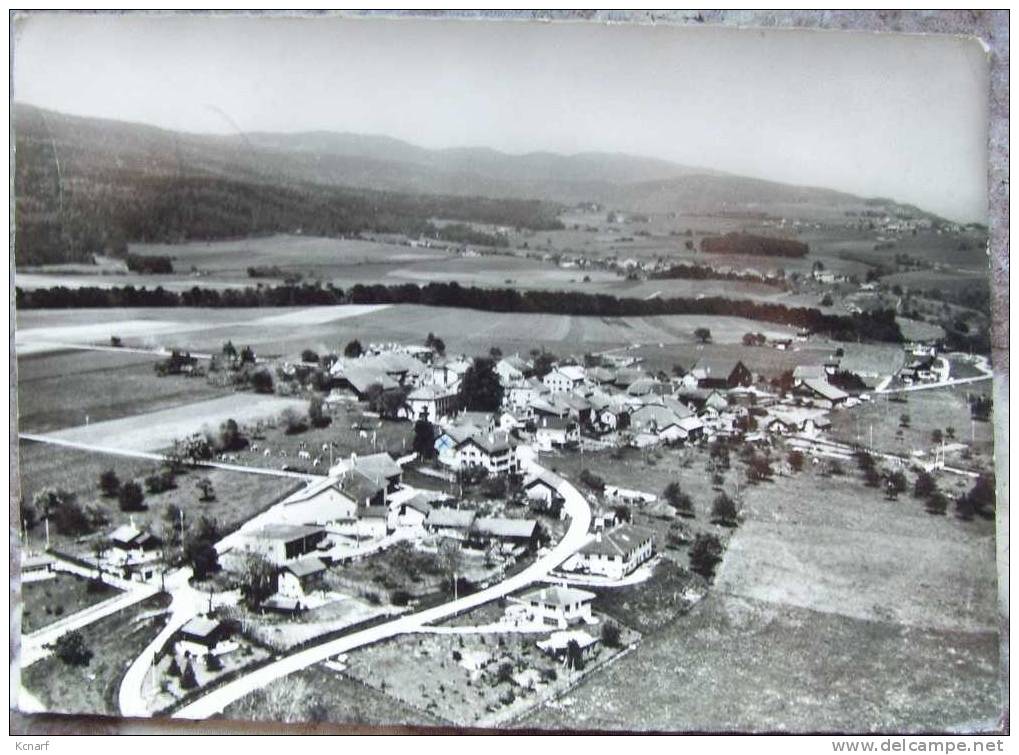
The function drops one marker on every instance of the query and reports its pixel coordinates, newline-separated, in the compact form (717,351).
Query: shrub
(705,555)
(591,480)
(457,656)
(924,485)
(187,679)
(109,483)
(72,650)
(796,460)
(610,635)
(937,503)
(399,597)
(213,663)
(724,510)
(131,496)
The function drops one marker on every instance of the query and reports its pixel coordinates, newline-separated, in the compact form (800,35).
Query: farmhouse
(359,379)
(322,501)
(129,539)
(523,392)
(543,489)
(510,369)
(721,372)
(361,489)
(281,543)
(821,392)
(413,512)
(514,532)
(557,606)
(374,520)
(613,554)
(431,402)
(452,523)
(493,451)
(380,466)
(565,379)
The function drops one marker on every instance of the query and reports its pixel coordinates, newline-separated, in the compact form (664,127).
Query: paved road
(160,457)
(576,537)
(33,646)
(187,603)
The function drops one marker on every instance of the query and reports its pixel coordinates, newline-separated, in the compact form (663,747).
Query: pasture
(831,611)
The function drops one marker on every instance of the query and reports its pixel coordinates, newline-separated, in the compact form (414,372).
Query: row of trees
(878,325)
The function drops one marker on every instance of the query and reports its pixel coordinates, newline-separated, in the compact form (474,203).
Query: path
(186,604)
(574,539)
(33,646)
(161,457)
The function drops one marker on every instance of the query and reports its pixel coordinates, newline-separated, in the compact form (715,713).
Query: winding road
(576,537)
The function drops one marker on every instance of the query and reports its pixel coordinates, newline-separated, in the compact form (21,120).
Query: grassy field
(238,495)
(49,600)
(318,695)
(64,389)
(833,611)
(928,410)
(784,668)
(115,641)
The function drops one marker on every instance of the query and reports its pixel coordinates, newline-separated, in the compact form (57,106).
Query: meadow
(831,612)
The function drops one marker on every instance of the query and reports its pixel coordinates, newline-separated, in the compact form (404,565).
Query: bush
(309,356)
(109,483)
(399,597)
(937,503)
(924,485)
(72,650)
(796,460)
(457,656)
(723,510)
(161,481)
(213,663)
(705,555)
(131,496)
(591,480)
(610,635)
(187,679)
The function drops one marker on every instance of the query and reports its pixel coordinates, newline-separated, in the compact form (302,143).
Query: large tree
(481,390)
(705,555)
(424,439)
(200,547)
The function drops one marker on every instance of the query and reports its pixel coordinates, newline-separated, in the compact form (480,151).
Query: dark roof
(200,626)
(358,487)
(305,567)
(490,443)
(717,367)
(373,512)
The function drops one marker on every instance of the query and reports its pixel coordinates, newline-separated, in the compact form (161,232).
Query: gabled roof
(499,527)
(545,477)
(628,375)
(460,432)
(453,518)
(642,387)
(490,443)
(517,362)
(359,487)
(809,372)
(430,393)
(377,465)
(305,567)
(826,389)
(619,542)
(362,378)
(286,532)
(125,533)
(716,366)
(601,374)
(419,503)
(572,372)
(373,512)
(200,626)
(557,596)
(556,423)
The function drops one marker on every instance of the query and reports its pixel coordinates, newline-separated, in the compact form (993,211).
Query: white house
(556,432)
(431,402)
(565,379)
(613,554)
(492,450)
(557,606)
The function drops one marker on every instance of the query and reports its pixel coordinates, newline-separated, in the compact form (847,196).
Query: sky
(897,116)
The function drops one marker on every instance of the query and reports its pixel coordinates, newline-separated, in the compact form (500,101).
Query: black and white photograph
(436,373)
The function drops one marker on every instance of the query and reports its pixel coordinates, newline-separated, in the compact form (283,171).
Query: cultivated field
(152,431)
(49,600)
(70,388)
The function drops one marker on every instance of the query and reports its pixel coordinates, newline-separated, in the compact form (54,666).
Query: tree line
(750,244)
(878,325)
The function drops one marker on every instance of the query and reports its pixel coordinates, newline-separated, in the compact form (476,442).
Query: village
(480,509)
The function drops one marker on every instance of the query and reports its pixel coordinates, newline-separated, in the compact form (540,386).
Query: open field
(70,388)
(785,668)
(115,641)
(239,496)
(928,410)
(331,697)
(152,431)
(49,600)
(834,611)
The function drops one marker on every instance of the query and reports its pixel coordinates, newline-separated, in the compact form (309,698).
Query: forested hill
(85,186)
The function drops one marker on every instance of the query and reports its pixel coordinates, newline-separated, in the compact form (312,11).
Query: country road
(160,457)
(575,538)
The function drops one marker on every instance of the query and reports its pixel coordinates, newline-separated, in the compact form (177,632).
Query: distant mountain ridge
(88,183)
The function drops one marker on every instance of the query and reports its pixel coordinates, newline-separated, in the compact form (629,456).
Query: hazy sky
(878,115)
